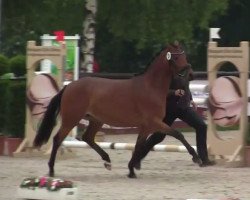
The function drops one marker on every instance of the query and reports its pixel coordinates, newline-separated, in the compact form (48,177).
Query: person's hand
(179,92)
(194,105)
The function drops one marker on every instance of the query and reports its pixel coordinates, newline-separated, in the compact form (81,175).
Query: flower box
(44,194)
(46,188)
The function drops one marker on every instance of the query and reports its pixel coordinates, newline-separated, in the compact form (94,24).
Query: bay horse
(137,102)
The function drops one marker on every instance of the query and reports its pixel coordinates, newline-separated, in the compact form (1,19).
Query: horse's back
(109,100)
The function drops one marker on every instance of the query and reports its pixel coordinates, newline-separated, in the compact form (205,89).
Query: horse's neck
(159,76)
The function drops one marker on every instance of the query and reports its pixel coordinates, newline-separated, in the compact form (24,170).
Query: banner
(71,69)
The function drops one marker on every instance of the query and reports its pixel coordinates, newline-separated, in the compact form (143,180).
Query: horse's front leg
(89,138)
(139,148)
(151,141)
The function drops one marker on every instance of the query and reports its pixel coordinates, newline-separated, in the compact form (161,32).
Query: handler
(179,102)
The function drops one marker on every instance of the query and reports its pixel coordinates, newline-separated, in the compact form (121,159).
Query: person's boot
(207,162)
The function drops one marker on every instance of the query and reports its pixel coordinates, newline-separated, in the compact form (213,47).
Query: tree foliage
(25,20)
(149,22)
(234,24)
(129,32)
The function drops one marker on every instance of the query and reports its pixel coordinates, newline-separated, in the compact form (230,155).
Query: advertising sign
(71,69)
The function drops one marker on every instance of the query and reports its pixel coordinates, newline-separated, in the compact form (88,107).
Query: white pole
(125,146)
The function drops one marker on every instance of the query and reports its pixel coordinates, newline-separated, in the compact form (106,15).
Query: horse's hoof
(107,165)
(138,166)
(132,175)
(51,174)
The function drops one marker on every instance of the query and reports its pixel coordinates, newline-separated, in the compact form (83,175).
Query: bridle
(183,72)
(169,55)
(170,58)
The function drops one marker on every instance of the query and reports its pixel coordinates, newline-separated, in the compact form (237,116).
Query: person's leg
(155,138)
(192,118)
(179,136)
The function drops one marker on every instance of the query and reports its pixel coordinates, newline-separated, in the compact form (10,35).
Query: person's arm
(171,93)
(193,104)
(175,92)
(178,92)
(190,94)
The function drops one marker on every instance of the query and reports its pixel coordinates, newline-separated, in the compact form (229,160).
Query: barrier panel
(230,151)
(35,54)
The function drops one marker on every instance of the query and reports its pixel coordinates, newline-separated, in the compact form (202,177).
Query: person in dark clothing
(178,104)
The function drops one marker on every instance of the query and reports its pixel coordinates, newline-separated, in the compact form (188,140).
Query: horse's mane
(175,44)
(151,60)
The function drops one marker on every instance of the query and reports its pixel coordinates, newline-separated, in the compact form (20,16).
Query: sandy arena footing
(163,175)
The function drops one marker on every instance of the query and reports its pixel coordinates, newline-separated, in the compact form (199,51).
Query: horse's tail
(49,120)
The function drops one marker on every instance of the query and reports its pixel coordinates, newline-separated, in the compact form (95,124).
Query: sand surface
(164,175)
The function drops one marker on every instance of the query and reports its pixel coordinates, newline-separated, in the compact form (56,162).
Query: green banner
(70,60)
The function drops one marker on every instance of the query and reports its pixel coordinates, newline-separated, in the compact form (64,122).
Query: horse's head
(175,57)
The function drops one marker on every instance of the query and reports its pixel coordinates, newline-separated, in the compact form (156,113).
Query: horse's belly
(117,117)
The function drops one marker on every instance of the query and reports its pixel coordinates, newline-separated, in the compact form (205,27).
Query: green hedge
(248,134)
(4,84)
(15,116)
(4,65)
(12,96)
(17,65)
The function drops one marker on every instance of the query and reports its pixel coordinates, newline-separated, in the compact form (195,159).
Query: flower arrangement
(51,184)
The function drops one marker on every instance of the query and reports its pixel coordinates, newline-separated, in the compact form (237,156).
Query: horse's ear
(176,43)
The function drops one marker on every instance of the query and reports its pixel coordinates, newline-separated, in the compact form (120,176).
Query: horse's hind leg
(57,141)
(89,138)
(179,136)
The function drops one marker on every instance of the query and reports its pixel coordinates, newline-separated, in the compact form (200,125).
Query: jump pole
(126,146)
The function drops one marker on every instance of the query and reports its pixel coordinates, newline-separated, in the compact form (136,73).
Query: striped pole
(125,146)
